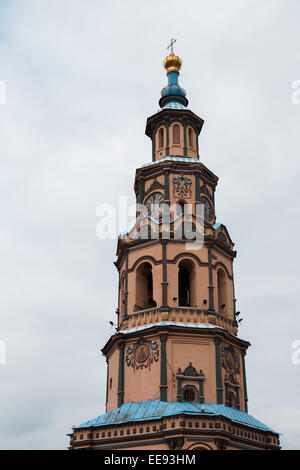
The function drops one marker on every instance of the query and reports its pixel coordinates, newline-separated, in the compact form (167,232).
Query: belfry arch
(222,291)
(186,283)
(144,287)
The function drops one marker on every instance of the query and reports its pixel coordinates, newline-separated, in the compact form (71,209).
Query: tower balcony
(191,315)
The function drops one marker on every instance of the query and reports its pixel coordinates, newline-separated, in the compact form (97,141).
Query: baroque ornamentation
(203,189)
(208,210)
(154,185)
(221,444)
(230,362)
(221,237)
(190,371)
(142,354)
(176,443)
(182,186)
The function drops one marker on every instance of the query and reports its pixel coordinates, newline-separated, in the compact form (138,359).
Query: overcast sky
(81,78)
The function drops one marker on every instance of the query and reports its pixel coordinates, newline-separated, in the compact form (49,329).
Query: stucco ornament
(230,362)
(142,354)
(182,186)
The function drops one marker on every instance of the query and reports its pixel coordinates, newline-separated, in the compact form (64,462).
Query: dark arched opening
(191,137)
(144,287)
(186,283)
(161,138)
(222,291)
(176,134)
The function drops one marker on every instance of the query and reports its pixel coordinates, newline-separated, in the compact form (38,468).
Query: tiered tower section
(176,367)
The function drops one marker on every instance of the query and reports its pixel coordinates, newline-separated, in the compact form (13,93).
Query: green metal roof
(156,409)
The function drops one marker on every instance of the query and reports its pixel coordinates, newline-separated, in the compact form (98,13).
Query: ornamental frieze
(142,354)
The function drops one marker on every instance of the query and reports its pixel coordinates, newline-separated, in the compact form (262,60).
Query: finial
(170,46)
(172,63)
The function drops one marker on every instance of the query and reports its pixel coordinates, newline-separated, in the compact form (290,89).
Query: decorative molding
(221,444)
(190,374)
(203,190)
(182,186)
(231,363)
(176,443)
(221,237)
(142,354)
(190,371)
(153,187)
(222,265)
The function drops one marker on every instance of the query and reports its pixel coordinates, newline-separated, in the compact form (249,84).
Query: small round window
(189,395)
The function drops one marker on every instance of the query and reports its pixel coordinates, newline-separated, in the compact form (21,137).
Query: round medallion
(141,352)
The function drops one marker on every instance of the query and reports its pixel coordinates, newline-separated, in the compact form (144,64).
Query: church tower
(176,375)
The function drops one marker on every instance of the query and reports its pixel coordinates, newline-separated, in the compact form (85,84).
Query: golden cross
(170,46)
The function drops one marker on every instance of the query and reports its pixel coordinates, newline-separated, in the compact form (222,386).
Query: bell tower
(176,375)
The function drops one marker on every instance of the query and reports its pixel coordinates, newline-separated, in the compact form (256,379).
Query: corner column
(126,286)
(184,139)
(168,139)
(121,374)
(219,382)
(210,281)
(245,382)
(163,368)
(153,146)
(164,276)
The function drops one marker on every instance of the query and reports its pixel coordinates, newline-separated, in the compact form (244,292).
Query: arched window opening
(222,291)
(187,283)
(161,138)
(189,394)
(176,134)
(191,137)
(231,400)
(144,287)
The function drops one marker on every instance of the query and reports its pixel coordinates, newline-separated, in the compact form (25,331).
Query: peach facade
(176,341)
(171,139)
(185,347)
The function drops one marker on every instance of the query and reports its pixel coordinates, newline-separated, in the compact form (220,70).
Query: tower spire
(173,92)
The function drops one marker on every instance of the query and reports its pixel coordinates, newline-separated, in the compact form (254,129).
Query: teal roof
(182,324)
(156,409)
(173,159)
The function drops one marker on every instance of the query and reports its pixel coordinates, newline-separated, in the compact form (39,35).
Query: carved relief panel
(142,354)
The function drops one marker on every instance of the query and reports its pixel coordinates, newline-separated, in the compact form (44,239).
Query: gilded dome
(172,63)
